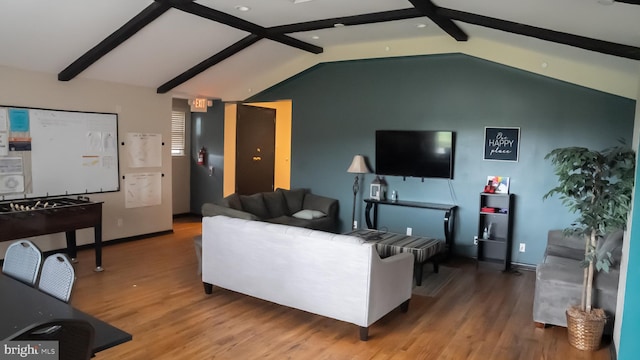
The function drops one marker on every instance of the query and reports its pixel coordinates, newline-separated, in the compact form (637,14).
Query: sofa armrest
(325,204)
(391,283)
(211,209)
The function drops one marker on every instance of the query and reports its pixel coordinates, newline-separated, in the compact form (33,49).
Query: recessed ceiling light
(338,25)
(242,8)
(300,1)
(420,26)
(315,37)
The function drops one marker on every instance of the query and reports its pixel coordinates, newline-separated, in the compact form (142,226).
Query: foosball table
(33,217)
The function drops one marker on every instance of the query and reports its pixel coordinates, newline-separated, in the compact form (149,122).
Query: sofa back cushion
(275,203)
(294,199)
(565,246)
(232,201)
(612,243)
(255,205)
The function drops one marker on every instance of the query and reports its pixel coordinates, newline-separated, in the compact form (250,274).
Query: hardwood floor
(150,289)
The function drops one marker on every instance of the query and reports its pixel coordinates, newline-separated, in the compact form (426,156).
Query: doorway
(282,156)
(255,149)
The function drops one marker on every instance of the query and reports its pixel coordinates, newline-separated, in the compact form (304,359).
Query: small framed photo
(375,192)
(497,184)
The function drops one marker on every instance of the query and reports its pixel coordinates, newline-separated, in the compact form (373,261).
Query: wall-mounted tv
(421,153)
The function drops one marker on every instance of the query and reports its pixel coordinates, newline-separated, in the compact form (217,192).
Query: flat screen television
(421,153)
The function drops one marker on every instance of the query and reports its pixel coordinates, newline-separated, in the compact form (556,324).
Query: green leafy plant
(596,185)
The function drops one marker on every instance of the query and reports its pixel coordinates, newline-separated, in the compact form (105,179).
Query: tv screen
(425,154)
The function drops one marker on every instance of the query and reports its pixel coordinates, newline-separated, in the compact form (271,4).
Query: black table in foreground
(449,215)
(22,305)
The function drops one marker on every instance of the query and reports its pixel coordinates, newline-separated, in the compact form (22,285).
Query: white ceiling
(47,36)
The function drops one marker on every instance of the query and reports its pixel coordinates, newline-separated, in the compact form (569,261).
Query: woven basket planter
(585,329)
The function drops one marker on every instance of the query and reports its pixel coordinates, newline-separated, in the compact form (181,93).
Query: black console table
(449,215)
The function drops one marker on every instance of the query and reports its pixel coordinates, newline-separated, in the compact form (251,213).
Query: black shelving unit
(495,228)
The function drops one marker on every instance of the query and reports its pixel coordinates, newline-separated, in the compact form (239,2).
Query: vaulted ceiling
(199,47)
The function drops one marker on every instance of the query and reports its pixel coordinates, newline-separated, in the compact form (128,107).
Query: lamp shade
(358,166)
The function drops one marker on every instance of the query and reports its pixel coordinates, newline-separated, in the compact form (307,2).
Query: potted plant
(596,185)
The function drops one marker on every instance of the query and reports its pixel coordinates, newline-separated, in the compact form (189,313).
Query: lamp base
(356,188)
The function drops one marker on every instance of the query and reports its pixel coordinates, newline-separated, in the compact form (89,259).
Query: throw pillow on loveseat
(296,207)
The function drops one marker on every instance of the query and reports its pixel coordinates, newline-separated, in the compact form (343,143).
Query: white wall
(139,110)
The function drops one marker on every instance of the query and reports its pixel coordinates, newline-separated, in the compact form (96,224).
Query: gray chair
(559,278)
(22,261)
(75,337)
(57,276)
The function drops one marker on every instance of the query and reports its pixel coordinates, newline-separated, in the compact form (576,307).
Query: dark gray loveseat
(559,278)
(296,207)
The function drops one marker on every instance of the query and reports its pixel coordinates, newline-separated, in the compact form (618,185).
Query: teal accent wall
(338,106)
(207,129)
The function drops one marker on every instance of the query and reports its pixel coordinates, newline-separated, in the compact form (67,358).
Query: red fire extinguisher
(201,155)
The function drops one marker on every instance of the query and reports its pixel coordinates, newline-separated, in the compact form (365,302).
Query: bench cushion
(389,244)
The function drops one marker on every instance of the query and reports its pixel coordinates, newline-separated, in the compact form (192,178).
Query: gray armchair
(559,278)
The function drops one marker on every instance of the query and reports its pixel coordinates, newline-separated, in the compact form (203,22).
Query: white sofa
(337,276)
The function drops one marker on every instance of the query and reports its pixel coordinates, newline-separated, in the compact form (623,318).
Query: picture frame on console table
(501,143)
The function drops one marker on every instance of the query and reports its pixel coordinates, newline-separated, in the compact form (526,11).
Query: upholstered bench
(424,249)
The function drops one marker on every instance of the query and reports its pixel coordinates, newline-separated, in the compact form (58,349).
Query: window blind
(177,133)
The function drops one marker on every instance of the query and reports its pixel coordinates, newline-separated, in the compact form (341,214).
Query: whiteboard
(62,152)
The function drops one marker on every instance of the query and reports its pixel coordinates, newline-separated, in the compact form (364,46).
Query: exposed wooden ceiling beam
(363,19)
(204,65)
(312,25)
(421,8)
(605,47)
(430,10)
(215,15)
(150,13)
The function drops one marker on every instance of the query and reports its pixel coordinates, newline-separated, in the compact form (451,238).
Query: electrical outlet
(522,247)
(409,231)
(355,224)
(475,240)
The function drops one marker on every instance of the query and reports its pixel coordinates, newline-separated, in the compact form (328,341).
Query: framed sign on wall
(501,143)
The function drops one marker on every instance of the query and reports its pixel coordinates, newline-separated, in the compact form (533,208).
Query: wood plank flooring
(151,289)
